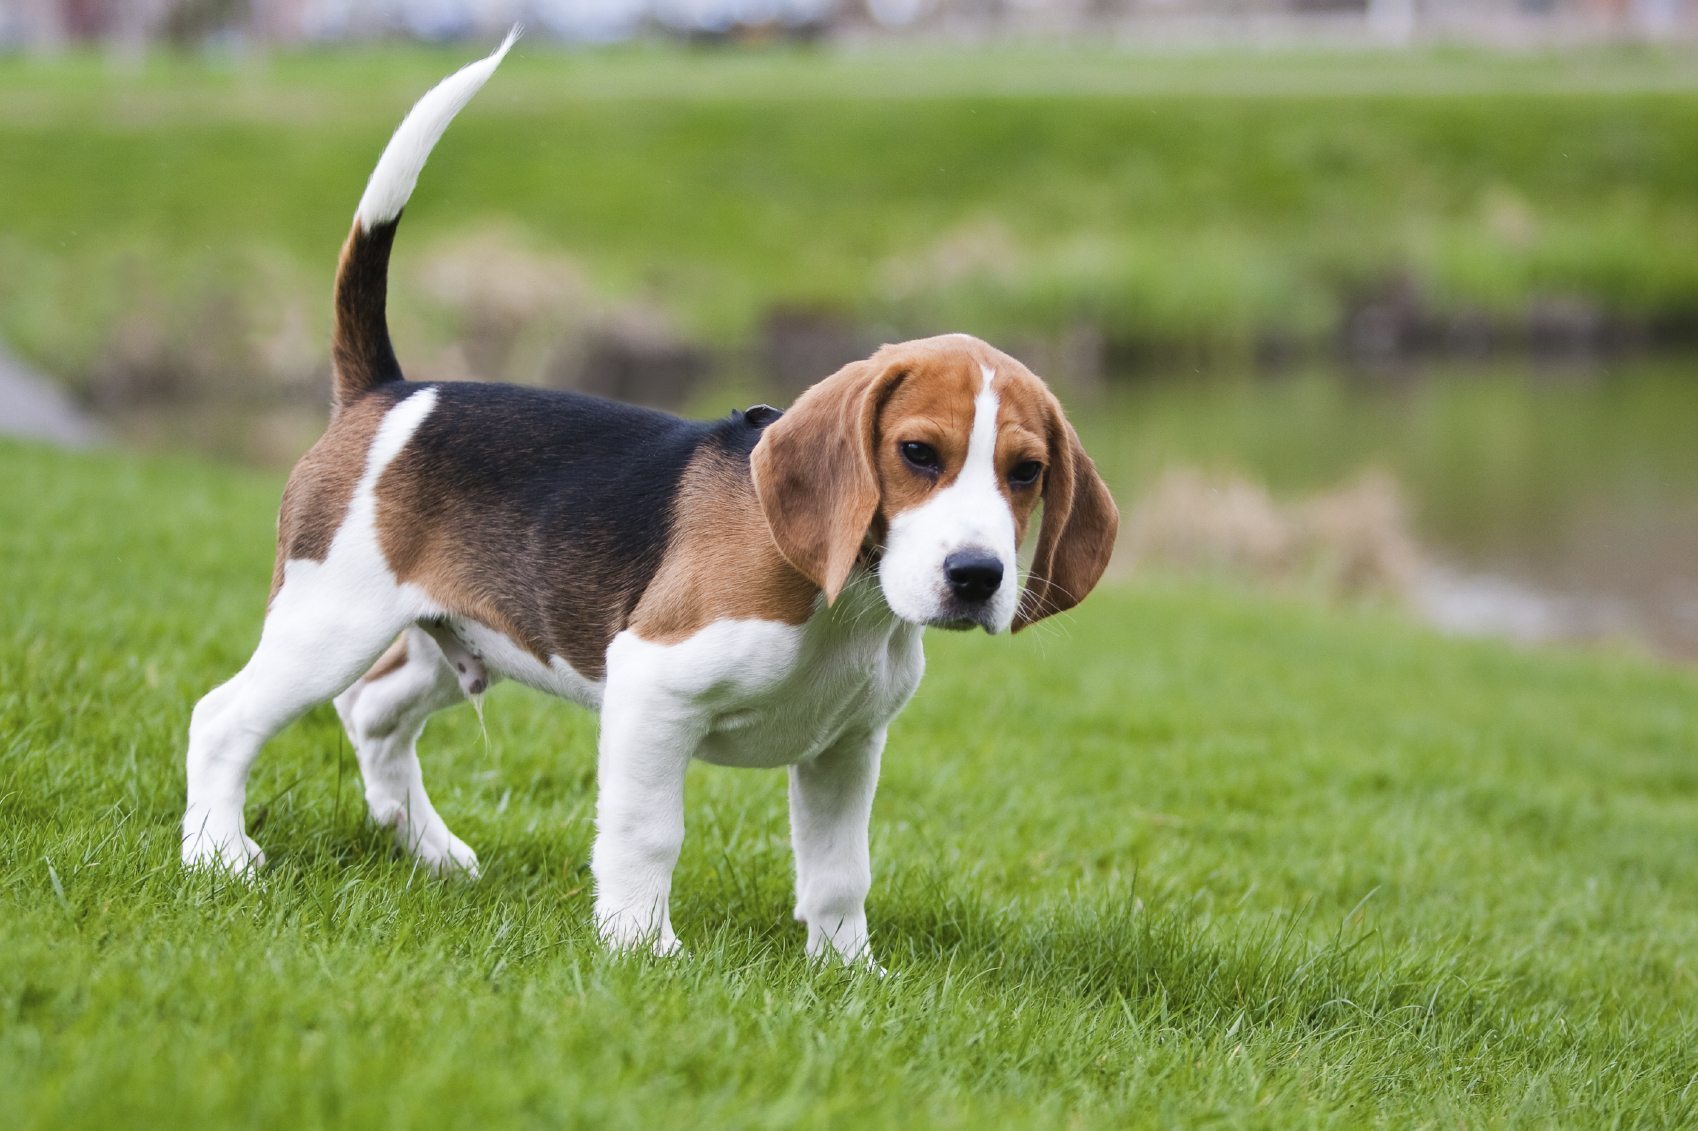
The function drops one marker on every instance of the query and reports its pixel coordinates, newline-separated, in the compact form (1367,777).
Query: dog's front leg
(647,738)
(831,802)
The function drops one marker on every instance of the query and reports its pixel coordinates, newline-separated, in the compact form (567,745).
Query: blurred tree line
(51,24)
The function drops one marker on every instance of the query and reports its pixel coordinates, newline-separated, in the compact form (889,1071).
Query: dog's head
(933,454)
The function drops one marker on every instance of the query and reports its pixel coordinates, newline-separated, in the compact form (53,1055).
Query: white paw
(626,933)
(861,962)
(220,847)
(428,842)
(847,944)
(448,855)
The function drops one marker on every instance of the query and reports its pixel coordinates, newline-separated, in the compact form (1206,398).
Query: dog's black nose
(973,574)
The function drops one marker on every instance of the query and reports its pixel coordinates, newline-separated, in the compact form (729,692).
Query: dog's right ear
(814,473)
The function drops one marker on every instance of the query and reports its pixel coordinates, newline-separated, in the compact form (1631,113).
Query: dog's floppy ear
(1080,522)
(814,473)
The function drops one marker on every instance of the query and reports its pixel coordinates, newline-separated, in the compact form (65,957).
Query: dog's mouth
(965,621)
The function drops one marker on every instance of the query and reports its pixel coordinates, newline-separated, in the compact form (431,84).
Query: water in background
(1549,501)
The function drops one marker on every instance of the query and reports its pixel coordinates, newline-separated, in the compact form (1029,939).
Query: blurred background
(1385,301)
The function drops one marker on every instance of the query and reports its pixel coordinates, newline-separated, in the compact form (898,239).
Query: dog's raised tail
(359,343)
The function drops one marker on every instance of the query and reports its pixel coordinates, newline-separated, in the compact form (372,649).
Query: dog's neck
(860,612)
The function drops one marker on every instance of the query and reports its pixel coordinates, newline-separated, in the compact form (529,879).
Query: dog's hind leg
(316,641)
(384,713)
(328,621)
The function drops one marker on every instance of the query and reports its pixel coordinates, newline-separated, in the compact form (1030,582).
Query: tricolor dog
(749,591)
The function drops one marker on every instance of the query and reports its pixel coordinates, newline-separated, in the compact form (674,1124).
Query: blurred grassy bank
(1217,207)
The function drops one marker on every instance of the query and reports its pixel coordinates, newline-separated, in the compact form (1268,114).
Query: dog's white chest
(757,693)
(853,689)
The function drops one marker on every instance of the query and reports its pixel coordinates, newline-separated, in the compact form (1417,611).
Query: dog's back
(504,487)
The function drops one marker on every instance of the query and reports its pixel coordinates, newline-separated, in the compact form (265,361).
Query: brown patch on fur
(933,406)
(432,539)
(316,498)
(722,563)
(1022,434)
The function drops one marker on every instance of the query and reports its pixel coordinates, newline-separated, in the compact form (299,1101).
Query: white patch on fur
(329,621)
(750,693)
(970,514)
(398,426)
(397,171)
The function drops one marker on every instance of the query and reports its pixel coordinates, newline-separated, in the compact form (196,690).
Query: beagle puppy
(749,591)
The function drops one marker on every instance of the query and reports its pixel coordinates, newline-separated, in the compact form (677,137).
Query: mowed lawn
(1187,857)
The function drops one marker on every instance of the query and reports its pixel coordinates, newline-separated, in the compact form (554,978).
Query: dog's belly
(763,694)
(502,656)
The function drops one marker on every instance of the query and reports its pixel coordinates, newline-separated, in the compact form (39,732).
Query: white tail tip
(398,169)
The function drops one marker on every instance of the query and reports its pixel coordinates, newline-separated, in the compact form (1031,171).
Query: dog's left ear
(1080,522)
(814,473)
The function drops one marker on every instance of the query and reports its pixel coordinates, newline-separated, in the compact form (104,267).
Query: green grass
(1189,857)
(1194,204)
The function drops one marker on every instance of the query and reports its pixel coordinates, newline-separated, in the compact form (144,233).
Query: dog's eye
(1025,474)
(922,456)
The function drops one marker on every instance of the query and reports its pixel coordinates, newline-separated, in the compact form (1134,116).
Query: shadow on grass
(1172,964)
(1087,951)
(1158,961)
